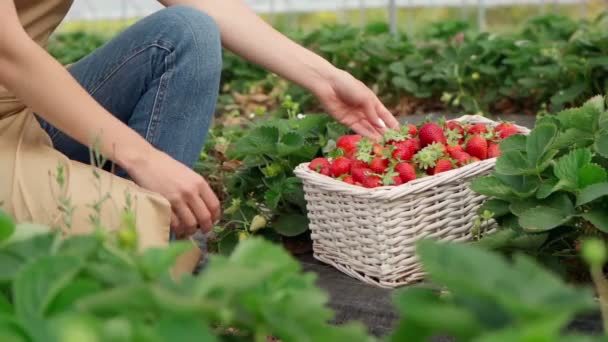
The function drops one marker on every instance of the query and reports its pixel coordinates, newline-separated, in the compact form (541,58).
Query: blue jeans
(160,77)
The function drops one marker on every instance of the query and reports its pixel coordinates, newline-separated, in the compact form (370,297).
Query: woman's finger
(201,211)
(365,129)
(386,115)
(186,219)
(211,202)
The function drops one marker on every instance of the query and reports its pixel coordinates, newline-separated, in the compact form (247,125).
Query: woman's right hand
(193,203)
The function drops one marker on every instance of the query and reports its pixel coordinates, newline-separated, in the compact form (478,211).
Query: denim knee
(195,32)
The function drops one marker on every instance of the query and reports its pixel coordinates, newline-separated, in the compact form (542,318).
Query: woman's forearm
(247,35)
(47,87)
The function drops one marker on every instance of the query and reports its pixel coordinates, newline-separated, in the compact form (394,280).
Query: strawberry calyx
(365,147)
(428,156)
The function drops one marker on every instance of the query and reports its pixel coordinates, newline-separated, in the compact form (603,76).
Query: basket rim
(416,186)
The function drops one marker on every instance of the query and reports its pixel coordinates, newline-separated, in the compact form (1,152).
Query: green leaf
(547,188)
(5,306)
(567,168)
(156,262)
(290,143)
(227,243)
(38,282)
(492,187)
(513,163)
(522,186)
(601,145)
(603,121)
(10,266)
(261,140)
(25,231)
(542,218)
(598,218)
(591,174)
(189,329)
(7,227)
(597,102)
(572,137)
(516,142)
(539,143)
(71,293)
(583,118)
(496,206)
(291,224)
(568,95)
(591,193)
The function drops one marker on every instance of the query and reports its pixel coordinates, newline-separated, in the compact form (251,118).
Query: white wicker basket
(370,234)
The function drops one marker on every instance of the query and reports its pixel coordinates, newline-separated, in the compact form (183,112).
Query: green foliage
(87,288)
(70,47)
(488,298)
(551,180)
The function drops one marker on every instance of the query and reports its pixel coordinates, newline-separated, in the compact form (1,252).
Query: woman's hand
(192,201)
(353,104)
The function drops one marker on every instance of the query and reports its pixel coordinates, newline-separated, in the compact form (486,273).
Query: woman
(147,97)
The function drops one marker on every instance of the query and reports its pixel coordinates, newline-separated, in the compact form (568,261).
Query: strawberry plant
(550,188)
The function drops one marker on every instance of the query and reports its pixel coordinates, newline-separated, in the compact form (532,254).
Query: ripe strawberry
(348,143)
(378,149)
(360,174)
(478,129)
(372,181)
(340,166)
(430,133)
(397,180)
(379,164)
(349,180)
(505,130)
(477,147)
(412,130)
(318,164)
(443,165)
(494,150)
(357,164)
(403,153)
(455,126)
(406,172)
(454,150)
(417,144)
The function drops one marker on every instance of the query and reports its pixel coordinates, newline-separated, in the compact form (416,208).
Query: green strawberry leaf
(601,145)
(572,137)
(261,140)
(598,218)
(539,142)
(496,206)
(7,227)
(542,218)
(591,193)
(516,142)
(291,224)
(591,174)
(290,144)
(522,186)
(583,118)
(567,168)
(546,188)
(513,163)
(492,187)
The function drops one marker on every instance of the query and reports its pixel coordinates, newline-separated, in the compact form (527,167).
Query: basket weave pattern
(370,234)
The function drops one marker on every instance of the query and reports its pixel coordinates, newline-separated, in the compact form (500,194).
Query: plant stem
(601,285)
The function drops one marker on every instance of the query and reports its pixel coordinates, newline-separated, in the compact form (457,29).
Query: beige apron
(28,165)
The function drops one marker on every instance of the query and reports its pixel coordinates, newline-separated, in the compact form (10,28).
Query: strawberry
(412,130)
(477,147)
(457,153)
(349,180)
(430,133)
(417,144)
(403,153)
(454,150)
(505,130)
(340,166)
(379,164)
(406,172)
(478,129)
(348,143)
(397,180)
(455,126)
(378,149)
(318,164)
(494,150)
(475,159)
(372,181)
(443,165)
(357,164)
(428,156)
(360,174)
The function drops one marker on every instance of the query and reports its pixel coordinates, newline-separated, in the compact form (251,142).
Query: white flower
(251,115)
(300,116)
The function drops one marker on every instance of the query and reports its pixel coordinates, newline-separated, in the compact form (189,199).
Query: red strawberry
(494,150)
(477,147)
(403,153)
(406,172)
(378,149)
(475,159)
(360,174)
(372,182)
(413,130)
(357,164)
(505,130)
(417,144)
(340,166)
(318,164)
(478,129)
(454,150)
(379,164)
(349,180)
(457,153)
(348,142)
(430,133)
(443,165)
(455,126)
(397,181)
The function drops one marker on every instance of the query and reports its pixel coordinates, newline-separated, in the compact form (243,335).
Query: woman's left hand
(353,104)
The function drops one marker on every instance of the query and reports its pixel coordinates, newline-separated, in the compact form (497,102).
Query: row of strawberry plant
(96,287)
(550,188)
